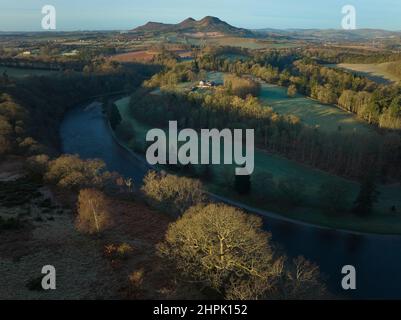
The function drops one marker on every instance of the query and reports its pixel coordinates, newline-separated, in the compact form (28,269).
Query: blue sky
(25,15)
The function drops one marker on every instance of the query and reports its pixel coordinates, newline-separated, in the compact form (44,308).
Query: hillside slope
(206,25)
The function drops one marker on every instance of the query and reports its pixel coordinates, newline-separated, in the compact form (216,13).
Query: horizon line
(250,29)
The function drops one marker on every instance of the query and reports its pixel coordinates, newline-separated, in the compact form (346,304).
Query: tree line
(31,109)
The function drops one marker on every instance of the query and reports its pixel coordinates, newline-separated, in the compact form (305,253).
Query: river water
(377,258)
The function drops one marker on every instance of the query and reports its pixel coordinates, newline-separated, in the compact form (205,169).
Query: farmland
(135,56)
(247,43)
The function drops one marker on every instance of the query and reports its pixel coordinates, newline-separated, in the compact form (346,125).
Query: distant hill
(213,27)
(207,25)
(331,34)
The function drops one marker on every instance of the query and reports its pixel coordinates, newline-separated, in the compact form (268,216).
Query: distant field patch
(248,43)
(377,72)
(325,117)
(24,72)
(135,56)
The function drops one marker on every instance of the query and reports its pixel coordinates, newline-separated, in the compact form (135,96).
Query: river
(377,258)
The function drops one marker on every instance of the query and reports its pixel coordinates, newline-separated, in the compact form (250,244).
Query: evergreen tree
(368,195)
(243,184)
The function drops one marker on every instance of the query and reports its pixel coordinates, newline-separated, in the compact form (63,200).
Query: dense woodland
(348,55)
(32,109)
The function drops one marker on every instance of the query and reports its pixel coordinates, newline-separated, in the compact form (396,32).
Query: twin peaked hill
(190,25)
(209,25)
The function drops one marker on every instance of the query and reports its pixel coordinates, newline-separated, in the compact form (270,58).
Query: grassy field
(377,72)
(147,55)
(248,43)
(325,117)
(381,221)
(135,56)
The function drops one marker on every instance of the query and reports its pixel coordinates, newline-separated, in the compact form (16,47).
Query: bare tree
(172,193)
(221,246)
(93,212)
(301,280)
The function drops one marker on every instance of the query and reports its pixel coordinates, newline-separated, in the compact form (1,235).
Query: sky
(25,15)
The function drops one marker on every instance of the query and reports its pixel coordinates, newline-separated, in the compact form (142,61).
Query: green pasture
(325,117)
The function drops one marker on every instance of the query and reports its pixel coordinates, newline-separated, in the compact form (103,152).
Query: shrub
(37,166)
(301,280)
(10,224)
(30,146)
(135,284)
(241,87)
(71,172)
(292,91)
(136,277)
(5,145)
(119,252)
(6,128)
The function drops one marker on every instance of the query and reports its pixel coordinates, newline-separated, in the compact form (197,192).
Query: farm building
(206,84)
